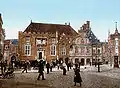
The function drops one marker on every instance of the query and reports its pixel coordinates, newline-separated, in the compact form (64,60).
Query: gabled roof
(11,41)
(52,28)
(15,41)
(92,38)
(7,42)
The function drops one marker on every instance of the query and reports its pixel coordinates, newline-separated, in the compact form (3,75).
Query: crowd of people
(7,70)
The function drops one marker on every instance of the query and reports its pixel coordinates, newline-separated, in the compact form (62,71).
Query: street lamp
(110,56)
(98,60)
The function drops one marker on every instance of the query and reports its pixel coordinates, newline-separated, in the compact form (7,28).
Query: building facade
(10,50)
(114,47)
(2,37)
(45,41)
(86,48)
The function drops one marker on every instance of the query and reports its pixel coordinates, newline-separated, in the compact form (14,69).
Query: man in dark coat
(77,77)
(48,67)
(64,71)
(24,67)
(41,69)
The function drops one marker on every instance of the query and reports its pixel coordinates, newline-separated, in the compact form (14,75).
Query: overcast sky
(17,14)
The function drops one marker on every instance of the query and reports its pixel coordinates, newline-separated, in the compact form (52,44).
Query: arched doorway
(88,61)
(82,61)
(76,60)
(13,58)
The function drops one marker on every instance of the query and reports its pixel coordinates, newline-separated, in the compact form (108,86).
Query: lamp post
(98,60)
(98,65)
(110,57)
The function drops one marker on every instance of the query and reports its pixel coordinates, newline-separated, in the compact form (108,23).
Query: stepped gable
(52,28)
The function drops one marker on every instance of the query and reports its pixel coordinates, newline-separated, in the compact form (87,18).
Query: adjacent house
(2,37)
(86,48)
(10,50)
(114,47)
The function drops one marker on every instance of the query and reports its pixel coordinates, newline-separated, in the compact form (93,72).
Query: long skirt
(77,79)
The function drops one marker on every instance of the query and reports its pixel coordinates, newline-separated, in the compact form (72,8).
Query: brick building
(2,37)
(10,50)
(86,48)
(114,47)
(47,41)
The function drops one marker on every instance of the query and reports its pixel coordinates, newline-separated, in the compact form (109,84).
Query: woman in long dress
(77,77)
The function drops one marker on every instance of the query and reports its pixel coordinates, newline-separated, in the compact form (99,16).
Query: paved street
(107,78)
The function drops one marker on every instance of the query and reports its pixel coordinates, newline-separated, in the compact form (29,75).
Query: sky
(17,15)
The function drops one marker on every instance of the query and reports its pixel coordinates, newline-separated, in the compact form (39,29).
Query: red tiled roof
(6,41)
(52,28)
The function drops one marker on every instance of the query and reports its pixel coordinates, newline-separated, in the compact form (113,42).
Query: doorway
(82,61)
(40,55)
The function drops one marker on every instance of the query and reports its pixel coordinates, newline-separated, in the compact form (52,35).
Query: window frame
(27,49)
(53,50)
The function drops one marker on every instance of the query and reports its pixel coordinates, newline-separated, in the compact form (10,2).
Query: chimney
(69,23)
(88,24)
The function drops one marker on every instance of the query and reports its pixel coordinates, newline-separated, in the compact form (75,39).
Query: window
(53,40)
(27,39)
(6,46)
(87,49)
(63,51)
(40,41)
(52,50)
(82,50)
(98,51)
(76,49)
(94,51)
(28,49)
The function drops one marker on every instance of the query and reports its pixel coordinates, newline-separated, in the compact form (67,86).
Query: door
(40,55)
(116,61)
(82,61)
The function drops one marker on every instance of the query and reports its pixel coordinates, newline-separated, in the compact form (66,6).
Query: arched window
(53,50)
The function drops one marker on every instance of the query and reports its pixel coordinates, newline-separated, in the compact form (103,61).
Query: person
(48,67)
(25,67)
(51,66)
(68,66)
(58,66)
(1,64)
(41,69)
(64,71)
(9,71)
(77,77)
